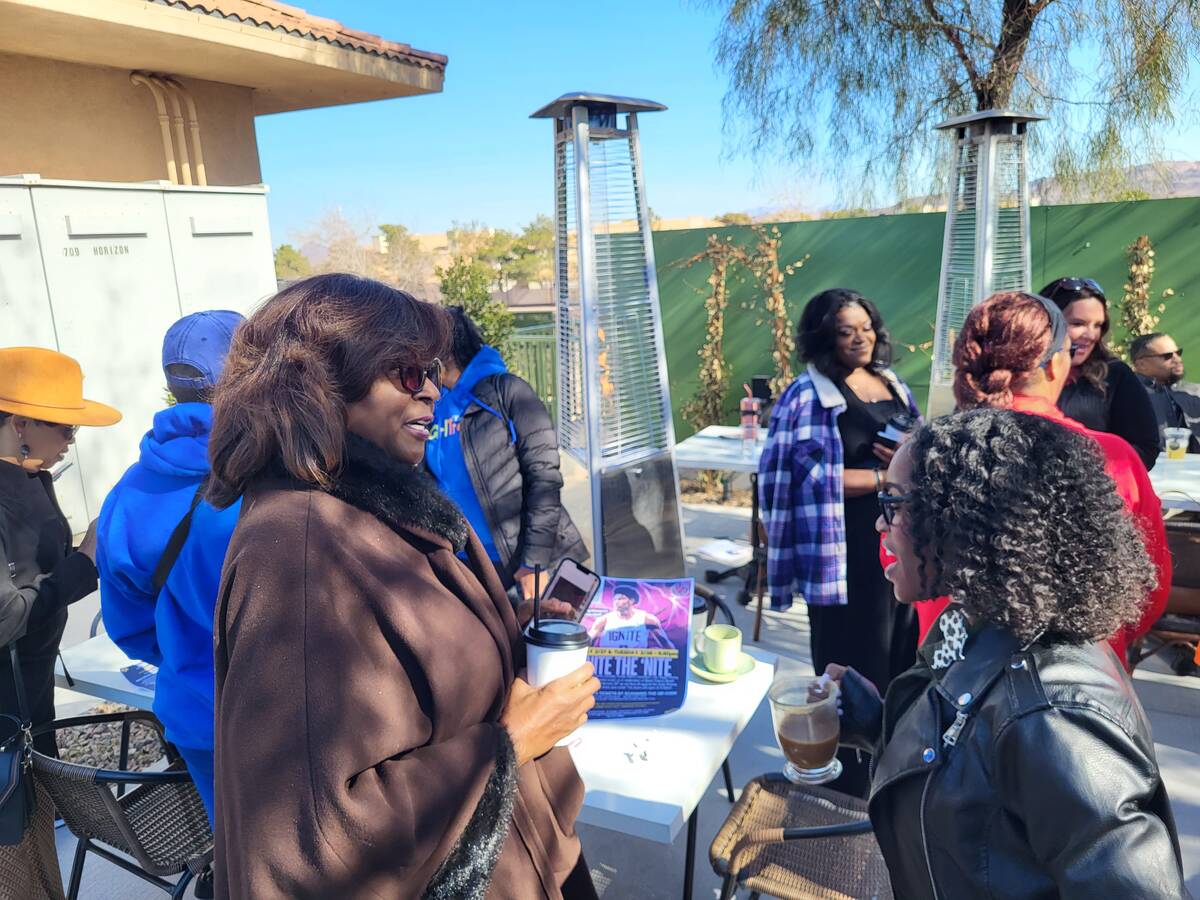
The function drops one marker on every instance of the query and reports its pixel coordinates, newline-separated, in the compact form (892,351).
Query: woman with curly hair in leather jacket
(1014,759)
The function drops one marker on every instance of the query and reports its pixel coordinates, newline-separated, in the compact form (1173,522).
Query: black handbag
(16,759)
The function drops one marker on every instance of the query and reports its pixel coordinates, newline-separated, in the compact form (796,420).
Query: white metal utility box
(99,271)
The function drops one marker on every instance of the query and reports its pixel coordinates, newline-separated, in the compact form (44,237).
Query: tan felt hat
(47,385)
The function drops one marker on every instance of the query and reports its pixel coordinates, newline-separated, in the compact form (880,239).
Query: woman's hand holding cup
(537,718)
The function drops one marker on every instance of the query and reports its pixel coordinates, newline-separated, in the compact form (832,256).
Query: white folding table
(1177,482)
(645,777)
(95,667)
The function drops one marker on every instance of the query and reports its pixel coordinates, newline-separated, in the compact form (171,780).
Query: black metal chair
(160,822)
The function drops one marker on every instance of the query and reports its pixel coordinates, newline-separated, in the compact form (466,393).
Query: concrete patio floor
(625,867)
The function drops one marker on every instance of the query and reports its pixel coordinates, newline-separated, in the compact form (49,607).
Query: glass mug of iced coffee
(804,710)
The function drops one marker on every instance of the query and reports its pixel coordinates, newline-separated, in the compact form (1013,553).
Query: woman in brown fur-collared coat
(372,736)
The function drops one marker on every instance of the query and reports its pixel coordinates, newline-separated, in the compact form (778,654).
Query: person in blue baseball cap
(160,547)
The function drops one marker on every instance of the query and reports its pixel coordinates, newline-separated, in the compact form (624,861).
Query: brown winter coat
(361,670)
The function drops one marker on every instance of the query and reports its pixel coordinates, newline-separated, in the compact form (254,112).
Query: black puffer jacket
(511,451)
(1047,787)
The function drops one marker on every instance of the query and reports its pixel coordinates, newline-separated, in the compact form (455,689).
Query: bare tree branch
(855,84)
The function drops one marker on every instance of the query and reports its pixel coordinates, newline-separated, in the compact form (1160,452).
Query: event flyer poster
(640,638)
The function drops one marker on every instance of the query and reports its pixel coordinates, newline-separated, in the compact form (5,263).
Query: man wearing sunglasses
(1158,362)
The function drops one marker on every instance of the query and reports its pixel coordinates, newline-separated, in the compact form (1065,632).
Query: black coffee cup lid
(559,634)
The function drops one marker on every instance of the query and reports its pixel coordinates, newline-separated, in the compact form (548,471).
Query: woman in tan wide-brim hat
(41,573)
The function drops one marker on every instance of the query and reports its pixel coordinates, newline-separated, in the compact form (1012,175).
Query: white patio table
(1177,482)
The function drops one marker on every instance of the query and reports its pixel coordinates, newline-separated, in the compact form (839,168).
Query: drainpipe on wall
(180,135)
(194,125)
(164,122)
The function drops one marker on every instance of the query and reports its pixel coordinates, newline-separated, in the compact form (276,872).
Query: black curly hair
(1024,528)
(816,333)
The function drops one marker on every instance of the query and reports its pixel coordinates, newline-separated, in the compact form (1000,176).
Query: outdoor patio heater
(986,245)
(614,407)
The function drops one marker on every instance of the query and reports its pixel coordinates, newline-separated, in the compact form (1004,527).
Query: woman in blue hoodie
(494,450)
(164,616)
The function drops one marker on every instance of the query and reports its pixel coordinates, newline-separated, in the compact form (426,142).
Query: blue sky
(472,153)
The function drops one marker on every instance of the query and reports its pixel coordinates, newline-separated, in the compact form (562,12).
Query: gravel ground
(100,745)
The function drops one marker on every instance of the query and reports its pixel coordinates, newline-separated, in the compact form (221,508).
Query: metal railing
(530,354)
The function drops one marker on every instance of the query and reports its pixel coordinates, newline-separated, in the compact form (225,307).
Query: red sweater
(1133,484)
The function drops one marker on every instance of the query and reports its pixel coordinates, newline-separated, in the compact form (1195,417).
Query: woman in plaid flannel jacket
(819,473)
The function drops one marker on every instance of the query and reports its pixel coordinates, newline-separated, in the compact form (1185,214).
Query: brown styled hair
(998,348)
(296,364)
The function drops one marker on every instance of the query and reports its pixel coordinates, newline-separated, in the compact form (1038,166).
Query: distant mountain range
(1156,180)
(1159,180)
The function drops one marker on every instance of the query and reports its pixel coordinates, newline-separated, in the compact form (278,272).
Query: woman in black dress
(1102,392)
(819,478)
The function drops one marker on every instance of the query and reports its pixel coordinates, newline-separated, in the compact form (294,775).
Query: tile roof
(295,21)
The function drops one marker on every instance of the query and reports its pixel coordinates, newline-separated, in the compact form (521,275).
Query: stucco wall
(89,123)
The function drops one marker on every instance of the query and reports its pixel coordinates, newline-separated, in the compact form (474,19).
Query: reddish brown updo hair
(1003,341)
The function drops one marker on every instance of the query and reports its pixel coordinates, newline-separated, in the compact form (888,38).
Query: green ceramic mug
(722,648)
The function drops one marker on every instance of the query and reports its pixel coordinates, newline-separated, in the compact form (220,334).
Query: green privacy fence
(894,260)
(530,354)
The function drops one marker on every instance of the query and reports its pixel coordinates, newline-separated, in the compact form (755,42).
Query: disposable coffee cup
(554,648)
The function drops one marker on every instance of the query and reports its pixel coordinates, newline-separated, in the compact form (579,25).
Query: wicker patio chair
(160,823)
(799,843)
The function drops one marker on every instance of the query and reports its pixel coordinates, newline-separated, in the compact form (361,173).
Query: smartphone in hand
(573,584)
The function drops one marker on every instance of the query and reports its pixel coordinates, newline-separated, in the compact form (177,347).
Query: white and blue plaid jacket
(800,487)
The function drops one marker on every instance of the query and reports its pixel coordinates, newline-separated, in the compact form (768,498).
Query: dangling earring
(24,448)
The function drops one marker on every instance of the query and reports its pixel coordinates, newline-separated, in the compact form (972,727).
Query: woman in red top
(1013,353)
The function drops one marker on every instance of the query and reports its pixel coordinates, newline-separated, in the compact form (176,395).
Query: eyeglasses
(68,431)
(1075,285)
(1163,356)
(889,503)
(412,378)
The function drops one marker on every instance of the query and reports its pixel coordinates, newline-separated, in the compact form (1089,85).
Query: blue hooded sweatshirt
(174,629)
(444,452)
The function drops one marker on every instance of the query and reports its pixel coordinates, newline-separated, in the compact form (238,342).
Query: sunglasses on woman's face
(412,379)
(67,431)
(890,503)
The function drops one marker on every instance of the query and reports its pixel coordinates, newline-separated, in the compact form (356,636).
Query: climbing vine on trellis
(763,261)
(1136,315)
(706,406)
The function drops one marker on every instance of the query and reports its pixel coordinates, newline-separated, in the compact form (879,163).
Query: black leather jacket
(1019,774)
(511,452)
